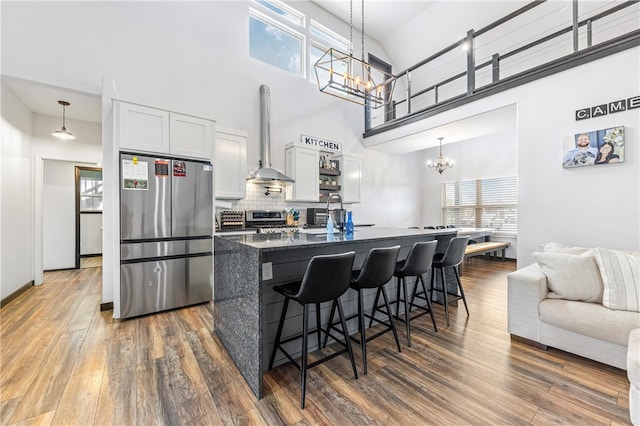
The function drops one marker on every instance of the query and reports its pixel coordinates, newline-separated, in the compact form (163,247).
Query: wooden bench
(492,247)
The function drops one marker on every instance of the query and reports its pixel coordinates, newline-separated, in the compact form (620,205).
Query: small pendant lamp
(63,133)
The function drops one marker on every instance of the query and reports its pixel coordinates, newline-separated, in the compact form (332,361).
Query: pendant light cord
(362,41)
(351,27)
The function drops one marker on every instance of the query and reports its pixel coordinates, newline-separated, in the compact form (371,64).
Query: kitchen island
(246,267)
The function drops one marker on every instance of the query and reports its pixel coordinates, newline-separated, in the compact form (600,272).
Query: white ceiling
(43,99)
(381,17)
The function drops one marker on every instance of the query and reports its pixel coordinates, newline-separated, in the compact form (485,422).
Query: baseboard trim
(15,294)
(529,342)
(106,306)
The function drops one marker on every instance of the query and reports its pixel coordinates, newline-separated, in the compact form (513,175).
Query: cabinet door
(350,179)
(191,136)
(230,164)
(142,129)
(302,165)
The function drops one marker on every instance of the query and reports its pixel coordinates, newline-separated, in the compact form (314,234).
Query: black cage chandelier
(344,76)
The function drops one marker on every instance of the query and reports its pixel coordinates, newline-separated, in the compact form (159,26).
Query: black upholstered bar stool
(376,271)
(418,262)
(452,258)
(326,278)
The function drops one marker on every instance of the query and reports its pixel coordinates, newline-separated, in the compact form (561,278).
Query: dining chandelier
(346,77)
(63,133)
(441,164)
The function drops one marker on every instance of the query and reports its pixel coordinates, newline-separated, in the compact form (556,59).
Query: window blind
(482,203)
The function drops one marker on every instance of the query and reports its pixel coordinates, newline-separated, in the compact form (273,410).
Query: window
(280,36)
(90,190)
(275,44)
(482,203)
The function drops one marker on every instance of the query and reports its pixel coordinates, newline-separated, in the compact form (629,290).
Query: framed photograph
(594,148)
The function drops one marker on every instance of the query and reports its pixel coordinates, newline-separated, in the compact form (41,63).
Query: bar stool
(377,270)
(326,278)
(452,258)
(418,262)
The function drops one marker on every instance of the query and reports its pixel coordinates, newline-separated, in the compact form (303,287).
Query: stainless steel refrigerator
(166,227)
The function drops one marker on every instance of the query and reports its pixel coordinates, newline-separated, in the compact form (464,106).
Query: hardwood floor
(90,262)
(65,362)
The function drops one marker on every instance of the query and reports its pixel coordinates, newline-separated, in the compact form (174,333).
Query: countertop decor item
(346,77)
(441,164)
(63,133)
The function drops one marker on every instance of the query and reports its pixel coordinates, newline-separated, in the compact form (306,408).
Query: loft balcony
(535,41)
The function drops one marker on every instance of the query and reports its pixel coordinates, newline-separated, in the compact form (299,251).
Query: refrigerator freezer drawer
(154,286)
(131,251)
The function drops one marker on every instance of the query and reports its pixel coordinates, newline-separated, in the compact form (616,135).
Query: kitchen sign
(608,108)
(320,144)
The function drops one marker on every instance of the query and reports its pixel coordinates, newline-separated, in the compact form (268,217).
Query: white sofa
(585,328)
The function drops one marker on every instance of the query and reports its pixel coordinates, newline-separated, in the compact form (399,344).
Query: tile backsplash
(256,199)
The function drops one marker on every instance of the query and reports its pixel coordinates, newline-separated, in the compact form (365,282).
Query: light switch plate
(267,271)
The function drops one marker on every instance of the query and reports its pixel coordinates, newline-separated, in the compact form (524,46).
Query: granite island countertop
(317,237)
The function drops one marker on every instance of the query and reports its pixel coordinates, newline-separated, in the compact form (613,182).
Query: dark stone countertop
(317,237)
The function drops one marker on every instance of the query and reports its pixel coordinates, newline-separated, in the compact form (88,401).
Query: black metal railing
(415,97)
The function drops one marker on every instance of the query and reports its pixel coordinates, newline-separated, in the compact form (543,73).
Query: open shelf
(329,172)
(325,187)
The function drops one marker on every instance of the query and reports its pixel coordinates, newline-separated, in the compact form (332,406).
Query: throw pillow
(571,277)
(621,278)
(554,247)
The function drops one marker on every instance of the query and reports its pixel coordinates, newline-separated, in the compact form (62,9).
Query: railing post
(435,91)
(495,67)
(589,34)
(408,92)
(575,25)
(471,66)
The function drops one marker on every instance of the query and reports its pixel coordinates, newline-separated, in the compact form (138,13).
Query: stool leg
(375,307)
(391,321)
(347,339)
(305,341)
(444,295)
(330,324)
(398,281)
(406,310)
(363,338)
(464,299)
(433,319)
(279,332)
(318,325)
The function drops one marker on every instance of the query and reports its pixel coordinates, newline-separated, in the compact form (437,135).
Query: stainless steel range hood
(265,174)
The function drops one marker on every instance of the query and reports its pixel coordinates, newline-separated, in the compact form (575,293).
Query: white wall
(59,220)
(16,196)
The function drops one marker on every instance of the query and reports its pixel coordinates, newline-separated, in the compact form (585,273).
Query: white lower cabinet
(230,163)
(302,165)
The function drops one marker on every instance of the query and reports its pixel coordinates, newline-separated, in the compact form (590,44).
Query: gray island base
(246,267)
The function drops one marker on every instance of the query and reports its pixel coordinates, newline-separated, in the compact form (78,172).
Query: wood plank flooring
(64,362)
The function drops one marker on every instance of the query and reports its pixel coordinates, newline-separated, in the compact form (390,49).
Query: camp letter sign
(608,108)
(320,144)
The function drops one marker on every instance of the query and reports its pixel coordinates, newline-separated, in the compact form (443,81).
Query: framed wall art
(594,148)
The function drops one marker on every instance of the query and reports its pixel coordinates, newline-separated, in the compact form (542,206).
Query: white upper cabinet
(190,136)
(156,131)
(142,128)
(350,178)
(302,165)
(230,163)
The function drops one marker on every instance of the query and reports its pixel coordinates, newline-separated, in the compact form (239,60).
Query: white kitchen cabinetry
(142,128)
(302,165)
(350,178)
(230,163)
(155,131)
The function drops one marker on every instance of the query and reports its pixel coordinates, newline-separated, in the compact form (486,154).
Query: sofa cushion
(590,319)
(554,247)
(621,279)
(571,277)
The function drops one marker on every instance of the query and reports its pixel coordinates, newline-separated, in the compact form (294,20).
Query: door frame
(77,191)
